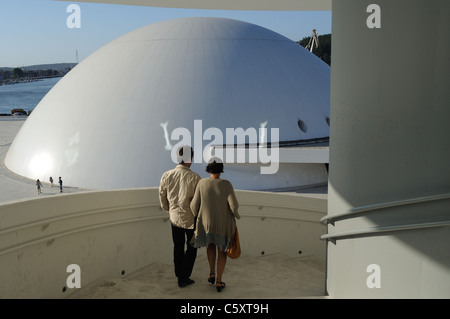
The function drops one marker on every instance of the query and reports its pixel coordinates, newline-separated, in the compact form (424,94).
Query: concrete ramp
(268,276)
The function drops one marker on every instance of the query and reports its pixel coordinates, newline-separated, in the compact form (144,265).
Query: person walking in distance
(60,184)
(51,181)
(38,185)
(177,187)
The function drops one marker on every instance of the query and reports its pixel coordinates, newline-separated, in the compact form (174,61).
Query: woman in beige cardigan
(216,207)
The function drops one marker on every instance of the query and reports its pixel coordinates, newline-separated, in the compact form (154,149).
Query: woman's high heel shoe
(212,279)
(222,285)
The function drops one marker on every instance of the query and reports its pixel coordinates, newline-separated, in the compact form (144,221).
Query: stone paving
(12,186)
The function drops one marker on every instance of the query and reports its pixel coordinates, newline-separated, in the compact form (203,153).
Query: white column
(390,142)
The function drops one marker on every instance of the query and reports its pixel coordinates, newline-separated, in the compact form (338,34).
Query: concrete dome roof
(101,126)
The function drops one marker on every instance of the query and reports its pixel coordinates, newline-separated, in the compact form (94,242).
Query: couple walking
(202,213)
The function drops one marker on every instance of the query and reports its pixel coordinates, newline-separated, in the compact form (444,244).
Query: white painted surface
(389,143)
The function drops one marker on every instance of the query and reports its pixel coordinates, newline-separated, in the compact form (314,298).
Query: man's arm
(195,202)
(163,194)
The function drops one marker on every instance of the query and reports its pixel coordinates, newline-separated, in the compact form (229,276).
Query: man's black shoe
(185,282)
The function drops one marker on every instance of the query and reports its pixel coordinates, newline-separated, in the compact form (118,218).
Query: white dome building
(109,122)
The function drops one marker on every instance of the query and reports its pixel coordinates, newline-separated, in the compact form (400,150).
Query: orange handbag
(234,248)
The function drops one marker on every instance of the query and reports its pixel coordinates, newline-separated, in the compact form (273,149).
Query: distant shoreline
(28,79)
(13,116)
(10,117)
(33,73)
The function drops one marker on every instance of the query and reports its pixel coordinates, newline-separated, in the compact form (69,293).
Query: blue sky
(35,31)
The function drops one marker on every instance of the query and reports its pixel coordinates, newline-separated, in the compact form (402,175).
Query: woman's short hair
(215,166)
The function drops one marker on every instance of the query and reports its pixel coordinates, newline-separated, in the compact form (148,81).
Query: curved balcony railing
(113,233)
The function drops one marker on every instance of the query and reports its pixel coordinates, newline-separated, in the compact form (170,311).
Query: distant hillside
(29,73)
(55,66)
(324,49)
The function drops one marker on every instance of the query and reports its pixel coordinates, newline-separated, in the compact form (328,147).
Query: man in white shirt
(176,190)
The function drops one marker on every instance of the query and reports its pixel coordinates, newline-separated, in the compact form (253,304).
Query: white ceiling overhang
(269,5)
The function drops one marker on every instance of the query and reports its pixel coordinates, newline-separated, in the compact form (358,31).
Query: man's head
(185,154)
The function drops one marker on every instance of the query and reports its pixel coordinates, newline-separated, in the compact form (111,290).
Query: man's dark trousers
(183,261)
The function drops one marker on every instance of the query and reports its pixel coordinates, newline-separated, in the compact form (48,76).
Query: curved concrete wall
(114,233)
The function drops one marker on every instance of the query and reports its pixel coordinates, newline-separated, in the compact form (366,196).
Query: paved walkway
(14,187)
(270,276)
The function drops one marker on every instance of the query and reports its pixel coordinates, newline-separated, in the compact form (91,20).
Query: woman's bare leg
(211,252)
(221,261)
